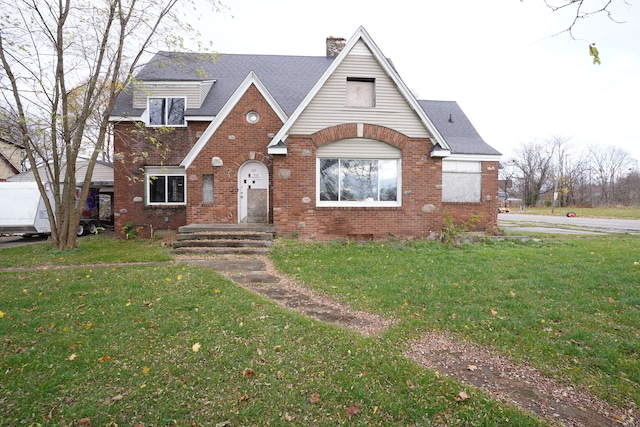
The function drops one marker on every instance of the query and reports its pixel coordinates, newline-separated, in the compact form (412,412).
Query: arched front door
(253,193)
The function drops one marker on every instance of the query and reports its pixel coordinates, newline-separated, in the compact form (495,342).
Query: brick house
(320,147)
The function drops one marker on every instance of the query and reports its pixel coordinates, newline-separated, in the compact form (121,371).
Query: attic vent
(450,118)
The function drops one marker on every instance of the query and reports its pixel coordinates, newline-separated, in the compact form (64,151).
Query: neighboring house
(321,147)
(11,155)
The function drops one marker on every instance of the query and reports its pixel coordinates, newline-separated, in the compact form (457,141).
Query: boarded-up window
(461,181)
(360,92)
(207,188)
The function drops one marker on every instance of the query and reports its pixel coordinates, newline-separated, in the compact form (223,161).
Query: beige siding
(358,148)
(192,92)
(329,108)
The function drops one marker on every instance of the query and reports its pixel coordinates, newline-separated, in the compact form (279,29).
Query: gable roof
(278,146)
(287,78)
(456,128)
(251,79)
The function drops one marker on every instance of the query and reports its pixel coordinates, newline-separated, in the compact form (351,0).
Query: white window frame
(363,203)
(158,171)
(165,113)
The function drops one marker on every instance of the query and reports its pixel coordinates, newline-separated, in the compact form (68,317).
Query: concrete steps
(223,239)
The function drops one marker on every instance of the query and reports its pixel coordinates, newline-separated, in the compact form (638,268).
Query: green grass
(568,306)
(621,212)
(101,249)
(116,344)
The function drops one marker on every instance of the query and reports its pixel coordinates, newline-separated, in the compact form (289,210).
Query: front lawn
(169,344)
(568,306)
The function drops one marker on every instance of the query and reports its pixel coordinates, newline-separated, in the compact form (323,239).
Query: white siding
(329,108)
(192,91)
(358,148)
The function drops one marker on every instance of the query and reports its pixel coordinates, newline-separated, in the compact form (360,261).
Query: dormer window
(361,92)
(167,111)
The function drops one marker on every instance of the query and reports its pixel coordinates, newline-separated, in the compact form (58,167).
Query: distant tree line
(558,173)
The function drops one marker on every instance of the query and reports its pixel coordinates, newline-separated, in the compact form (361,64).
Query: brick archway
(359,130)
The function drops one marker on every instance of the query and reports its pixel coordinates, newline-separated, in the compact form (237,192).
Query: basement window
(361,92)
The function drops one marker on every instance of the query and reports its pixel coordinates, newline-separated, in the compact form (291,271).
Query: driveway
(566,225)
(13,241)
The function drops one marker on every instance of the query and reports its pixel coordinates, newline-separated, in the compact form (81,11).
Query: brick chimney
(335,46)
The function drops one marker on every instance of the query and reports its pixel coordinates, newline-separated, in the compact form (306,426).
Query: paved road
(563,224)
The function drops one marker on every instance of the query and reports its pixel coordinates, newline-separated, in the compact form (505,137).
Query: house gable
(251,79)
(326,103)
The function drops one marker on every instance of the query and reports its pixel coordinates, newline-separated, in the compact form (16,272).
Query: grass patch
(99,249)
(568,306)
(621,212)
(117,344)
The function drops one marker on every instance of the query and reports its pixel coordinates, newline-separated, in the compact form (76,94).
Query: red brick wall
(295,212)
(134,148)
(292,180)
(487,207)
(234,142)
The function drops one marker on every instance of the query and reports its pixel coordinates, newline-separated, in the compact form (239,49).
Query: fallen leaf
(196,347)
(277,348)
(611,300)
(104,359)
(315,398)
(1,314)
(462,396)
(243,398)
(472,368)
(248,373)
(84,422)
(493,312)
(352,410)
(72,357)
(288,418)
(512,294)
(224,424)
(145,369)
(117,397)
(375,410)
(410,384)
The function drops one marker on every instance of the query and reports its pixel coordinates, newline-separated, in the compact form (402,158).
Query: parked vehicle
(23,211)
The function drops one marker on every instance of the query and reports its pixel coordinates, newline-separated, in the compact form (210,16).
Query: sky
(503,61)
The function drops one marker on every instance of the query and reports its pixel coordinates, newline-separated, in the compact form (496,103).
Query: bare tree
(534,162)
(48,50)
(584,9)
(609,165)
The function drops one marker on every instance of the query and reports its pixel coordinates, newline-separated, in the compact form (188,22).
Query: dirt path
(518,385)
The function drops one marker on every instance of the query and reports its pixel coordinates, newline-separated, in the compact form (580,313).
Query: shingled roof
(456,128)
(288,78)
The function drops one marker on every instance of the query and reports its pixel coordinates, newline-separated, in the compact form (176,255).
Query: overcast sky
(498,59)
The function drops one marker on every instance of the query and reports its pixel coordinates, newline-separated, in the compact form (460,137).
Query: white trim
(170,83)
(163,171)
(361,34)
(360,204)
(125,119)
(474,157)
(251,78)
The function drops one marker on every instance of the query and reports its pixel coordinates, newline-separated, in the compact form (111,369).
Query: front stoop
(224,239)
